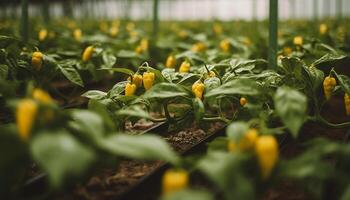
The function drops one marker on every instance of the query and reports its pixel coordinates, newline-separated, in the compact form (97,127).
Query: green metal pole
(24,21)
(254,9)
(155,18)
(316,10)
(273,26)
(46,12)
(339,5)
(292,5)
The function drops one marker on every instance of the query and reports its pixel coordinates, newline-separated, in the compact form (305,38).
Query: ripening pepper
(329,84)
(198,89)
(42,34)
(174,180)
(148,80)
(298,40)
(137,80)
(88,53)
(77,34)
(211,74)
(184,67)
(25,116)
(246,143)
(37,60)
(113,31)
(225,45)
(42,96)
(199,47)
(138,49)
(287,51)
(266,149)
(130,89)
(347,103)
(170,62)
(243,101)
(323,29)
(144,44)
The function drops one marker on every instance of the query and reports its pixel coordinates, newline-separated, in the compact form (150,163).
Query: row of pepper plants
(194,74)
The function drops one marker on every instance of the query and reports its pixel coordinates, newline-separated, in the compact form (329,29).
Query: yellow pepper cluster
(184,67)
(199,47)
(347,103)
(42,34)
(225,45)
(198,89)
(77,34)
(174,180)
(37,60)
(148,80)
(87,54)
(130,89)
(170,61)
(329,84)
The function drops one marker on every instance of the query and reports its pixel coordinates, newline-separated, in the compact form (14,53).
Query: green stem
(273,26)
(319,118)
(166,112)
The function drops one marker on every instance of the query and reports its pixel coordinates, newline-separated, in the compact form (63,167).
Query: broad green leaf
(344,81)
(166,91)
(127,54)
(236,86)
(108,59)
(316,77)
(292,65)
(189,194)
(94,94)
(120,70)
(146,147)
(198,109)
(3,71)
(117,89)
(133,111)
(291,107)
(61,156)
(89,124)
(71,74)
(211,83)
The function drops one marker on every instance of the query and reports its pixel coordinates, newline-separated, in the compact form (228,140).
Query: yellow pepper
(266,149)
(287,51)
(130,26)
(148,80)
(323,29)
(138,49)
(298,40)
(144,44)
(174,180)
(37,60)
(137,80)
(211,74)
(88,53)
(198,89)
(329,84)
(246,143)
(199,47)
(247,41)
(113,31)
(42,34)
(347,103)
(25,115)
(243,101)
(42,96)
(183,34)
(170,61)
(225,45)
(184,67)
(130,89)
(77,34)
(217,28)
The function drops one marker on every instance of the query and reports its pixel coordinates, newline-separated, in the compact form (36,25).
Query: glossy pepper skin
(137,80)
(148,80)
(184,67)
(42,34)
(170,62)
(42,96)
(329,84)
(247,142)
(347,103)
(225,45)
(198,89)
(130,89)
(174,180)
(266,149)
(87,54)
(37,60)
(243,101)
(25,115)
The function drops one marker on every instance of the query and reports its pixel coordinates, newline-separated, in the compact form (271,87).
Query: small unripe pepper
(42,34)
(77,34)
(148,80)
(42,96)
(347,103)
(198,89)
(37,60)
(25,115)
(298,40)
(130,89)
(174,180)
(88,53)
(225,45)
(170,62)
(329,84)
(243,101)
(266,149)
(184,67)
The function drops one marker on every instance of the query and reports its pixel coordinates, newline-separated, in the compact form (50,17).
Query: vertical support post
(155,18)
(273,26)
(315,10)
(24,20)
(254,10)
(339,5)
(293,9)
(46,11)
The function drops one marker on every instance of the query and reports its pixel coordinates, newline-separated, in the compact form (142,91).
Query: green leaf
(117,89)
(120,70)
(236,130)
(189,194)
(108,59)
(316,77)
(211,83)
(344,81)
(89,124)
(71,74)
(291,106)
(127,54)
(166,91)
(145,147)
(94,94)
(133,111)
(3,71)
(198,109)
(61,156)
(292,65)
(236,86)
